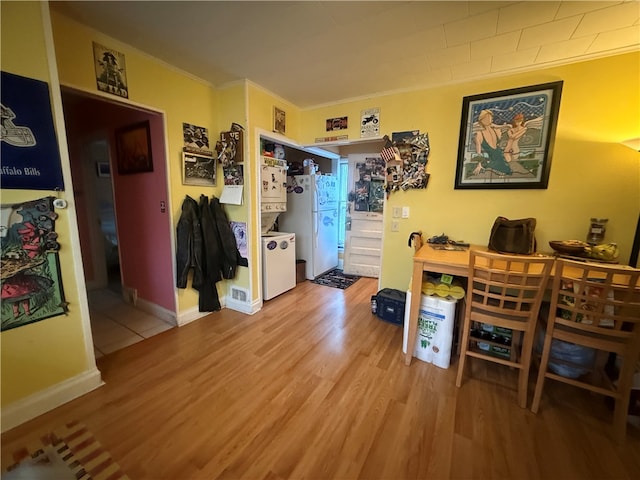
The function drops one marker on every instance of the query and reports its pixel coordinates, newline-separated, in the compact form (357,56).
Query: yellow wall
(154,85)
(260,110)
(592,174)
(42,354)
(233,108)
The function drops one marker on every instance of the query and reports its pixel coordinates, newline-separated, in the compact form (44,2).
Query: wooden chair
(505,292)
(595,306)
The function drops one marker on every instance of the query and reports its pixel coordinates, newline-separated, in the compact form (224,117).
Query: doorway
(123,222)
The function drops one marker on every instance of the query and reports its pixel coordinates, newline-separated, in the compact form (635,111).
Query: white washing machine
(278,263)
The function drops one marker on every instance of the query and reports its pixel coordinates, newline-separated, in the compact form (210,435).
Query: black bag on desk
(513,236)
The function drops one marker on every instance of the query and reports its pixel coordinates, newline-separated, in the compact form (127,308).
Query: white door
(363,236)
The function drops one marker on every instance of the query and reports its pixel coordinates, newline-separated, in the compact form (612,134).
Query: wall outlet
(395,226)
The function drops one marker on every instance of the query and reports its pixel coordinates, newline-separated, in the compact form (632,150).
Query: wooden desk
(427,259)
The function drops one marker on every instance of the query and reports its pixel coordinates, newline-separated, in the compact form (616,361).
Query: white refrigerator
(312,214)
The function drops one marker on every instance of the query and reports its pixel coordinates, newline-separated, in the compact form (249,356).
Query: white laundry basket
(434,339)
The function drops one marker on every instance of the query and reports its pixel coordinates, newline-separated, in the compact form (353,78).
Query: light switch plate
(395,226)
(405,212)
(397,212)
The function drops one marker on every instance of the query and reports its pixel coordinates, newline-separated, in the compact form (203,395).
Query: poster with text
(370,123)
(29,147)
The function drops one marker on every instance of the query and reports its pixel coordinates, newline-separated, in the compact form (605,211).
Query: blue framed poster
(28,143)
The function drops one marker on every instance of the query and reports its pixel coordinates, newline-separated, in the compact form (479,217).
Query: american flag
(388,153)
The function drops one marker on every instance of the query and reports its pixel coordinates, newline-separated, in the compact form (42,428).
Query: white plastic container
(434,340)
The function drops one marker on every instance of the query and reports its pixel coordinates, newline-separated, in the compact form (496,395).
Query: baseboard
(193,314)
(189,316)
(46,400)
(243,307)
(158,311)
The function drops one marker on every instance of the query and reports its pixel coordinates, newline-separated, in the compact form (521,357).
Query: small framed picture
(134,148)
(111,73)
(103,169)
(198,169)
(279,120)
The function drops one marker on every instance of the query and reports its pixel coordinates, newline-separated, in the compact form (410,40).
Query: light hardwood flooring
(314,386)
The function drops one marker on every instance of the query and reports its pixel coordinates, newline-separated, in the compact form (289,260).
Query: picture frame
(279,121)
(103,169)
(198,169)
(133,146)
(507,137)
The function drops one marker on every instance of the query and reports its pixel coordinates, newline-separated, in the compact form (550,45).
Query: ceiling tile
(548,33)
(612,18)
(448,56)
(430,14)
(561,50)
(569,9)
(505,43)
(526,14)
(476,7)
(516,60)
(629,36)
(471,28)
(471,69)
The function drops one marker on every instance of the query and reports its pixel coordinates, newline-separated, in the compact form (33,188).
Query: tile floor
(116,324)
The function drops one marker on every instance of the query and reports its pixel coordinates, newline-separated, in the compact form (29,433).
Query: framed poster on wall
(506,138)
(29,146)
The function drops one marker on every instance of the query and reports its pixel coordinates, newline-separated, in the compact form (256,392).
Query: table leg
(416,293)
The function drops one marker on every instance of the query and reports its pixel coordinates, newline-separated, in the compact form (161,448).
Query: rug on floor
(70,452)
(336,278)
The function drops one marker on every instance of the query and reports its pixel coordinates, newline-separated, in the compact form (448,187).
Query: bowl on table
(569,247)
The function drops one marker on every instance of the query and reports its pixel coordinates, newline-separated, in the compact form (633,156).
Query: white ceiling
(313,53)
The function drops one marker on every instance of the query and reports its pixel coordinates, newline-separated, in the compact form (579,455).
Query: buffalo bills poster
(28,143)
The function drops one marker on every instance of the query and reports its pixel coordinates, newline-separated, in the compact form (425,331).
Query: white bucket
(434,339)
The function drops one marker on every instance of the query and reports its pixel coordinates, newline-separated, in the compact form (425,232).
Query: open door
(363,235)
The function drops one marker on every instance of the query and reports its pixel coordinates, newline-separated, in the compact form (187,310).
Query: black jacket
(206,243)
(189,245)
(212,253)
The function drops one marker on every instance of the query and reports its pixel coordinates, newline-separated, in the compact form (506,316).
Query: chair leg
(621,409)
(544,361)
(525,363)
(463,351)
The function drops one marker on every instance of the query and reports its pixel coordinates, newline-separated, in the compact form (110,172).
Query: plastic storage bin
(434,341)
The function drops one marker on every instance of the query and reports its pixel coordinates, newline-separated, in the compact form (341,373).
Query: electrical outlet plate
(395,226)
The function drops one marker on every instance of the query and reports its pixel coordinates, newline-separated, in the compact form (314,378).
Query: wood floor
(314,386)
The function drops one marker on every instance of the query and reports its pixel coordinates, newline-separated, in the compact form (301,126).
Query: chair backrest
(506,289)
(597,301)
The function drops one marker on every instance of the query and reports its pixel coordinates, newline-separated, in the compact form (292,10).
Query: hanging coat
(189,245)
(212,266)
(230,256)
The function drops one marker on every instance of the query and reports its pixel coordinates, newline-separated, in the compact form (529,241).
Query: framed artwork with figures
(506,138)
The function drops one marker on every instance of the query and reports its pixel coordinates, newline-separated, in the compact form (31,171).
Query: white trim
(340,143)
(46,400)
(157,311)
(65,163)
(189,316)
(242,307)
